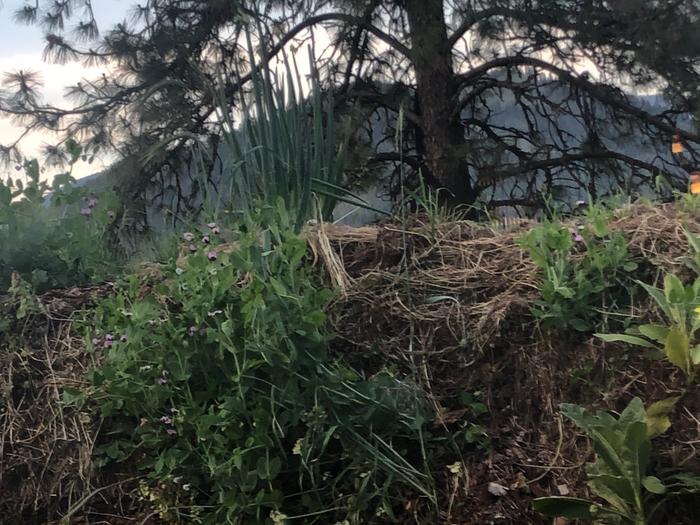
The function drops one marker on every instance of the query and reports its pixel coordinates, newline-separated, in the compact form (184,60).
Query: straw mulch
(449,305)
(47,473)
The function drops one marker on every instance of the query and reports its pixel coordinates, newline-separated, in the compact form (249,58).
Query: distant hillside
(174,189)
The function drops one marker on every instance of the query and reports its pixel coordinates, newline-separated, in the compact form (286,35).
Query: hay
(46,447)
(462,279)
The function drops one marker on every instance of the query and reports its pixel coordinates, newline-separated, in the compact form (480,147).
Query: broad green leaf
(561,506)
(695,355)
(629,266)
(656,332)
(659,297)
(657,416)
(624,338)
(565,292)
(693,240)
(654,485)
(636,451)
(674,290)
(616,490)
(677,348)
(633,413)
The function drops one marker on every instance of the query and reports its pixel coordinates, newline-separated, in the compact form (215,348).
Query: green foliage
(582,268)
(218,384)
(287,145)
(677,339)
(24,298)
(619,474)
(53,235)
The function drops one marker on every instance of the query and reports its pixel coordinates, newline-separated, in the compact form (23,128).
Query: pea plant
(218,385)
(581,267)
(55,234)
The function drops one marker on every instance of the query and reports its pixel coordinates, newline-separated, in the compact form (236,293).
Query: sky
(21,47)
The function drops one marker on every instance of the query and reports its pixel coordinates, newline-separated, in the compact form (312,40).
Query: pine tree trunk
(444,145)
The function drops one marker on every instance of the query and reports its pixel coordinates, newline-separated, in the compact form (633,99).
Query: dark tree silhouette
(504,100)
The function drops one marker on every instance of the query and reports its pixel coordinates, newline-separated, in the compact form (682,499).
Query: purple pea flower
(575,235)
(109,337)
(96,341)
(216,230)
(166,420)
(161,381)
(108,344)
(212,255)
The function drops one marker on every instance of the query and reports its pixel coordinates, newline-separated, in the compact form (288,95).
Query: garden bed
(447,305)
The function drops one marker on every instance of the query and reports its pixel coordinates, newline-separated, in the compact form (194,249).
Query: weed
(676,339)
(619,473)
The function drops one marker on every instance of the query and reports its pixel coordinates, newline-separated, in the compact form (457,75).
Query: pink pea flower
(193,248)
(123,338)
(172,432)
(216,230)
(212,256)
(85,212)
(205,239)
(576,235)
(212,225)
(188,237)
(161,381)
(166,420)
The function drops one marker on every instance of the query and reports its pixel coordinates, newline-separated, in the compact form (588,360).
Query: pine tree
(565,70)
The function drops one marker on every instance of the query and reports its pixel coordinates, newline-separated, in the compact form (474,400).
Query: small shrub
(218,385)
(53,236)
(583,268)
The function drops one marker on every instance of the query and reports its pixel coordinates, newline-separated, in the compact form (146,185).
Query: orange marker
(677,145)
(695,183)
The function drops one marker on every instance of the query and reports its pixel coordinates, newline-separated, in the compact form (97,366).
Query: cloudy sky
(21,48)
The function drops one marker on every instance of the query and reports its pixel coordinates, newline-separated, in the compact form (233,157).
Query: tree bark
(442,134)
